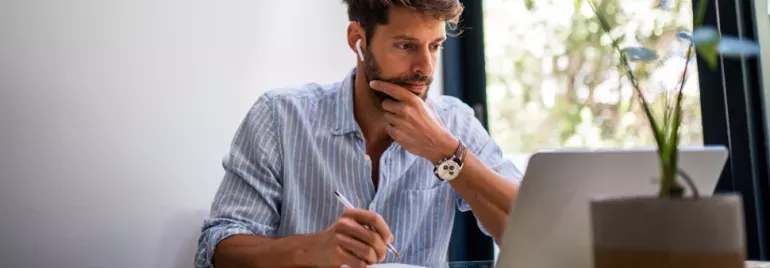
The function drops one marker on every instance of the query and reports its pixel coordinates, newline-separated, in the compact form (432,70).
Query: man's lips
(416,87)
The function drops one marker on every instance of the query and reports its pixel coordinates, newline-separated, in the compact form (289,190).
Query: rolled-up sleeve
(248,200)
(486,149)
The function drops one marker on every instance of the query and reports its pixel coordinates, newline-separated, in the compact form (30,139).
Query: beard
(372,71)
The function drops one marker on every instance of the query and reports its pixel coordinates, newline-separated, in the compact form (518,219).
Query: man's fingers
(372,219)
(392,106)
(371,247)
(391,118)
(391,131)
(369,253)
(353,228)
(393,90)
(394,132)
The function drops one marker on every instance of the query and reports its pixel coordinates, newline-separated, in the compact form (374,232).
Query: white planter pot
(654,232)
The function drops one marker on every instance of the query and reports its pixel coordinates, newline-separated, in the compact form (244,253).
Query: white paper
(394,265)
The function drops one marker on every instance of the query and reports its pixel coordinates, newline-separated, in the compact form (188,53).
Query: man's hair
(370,13)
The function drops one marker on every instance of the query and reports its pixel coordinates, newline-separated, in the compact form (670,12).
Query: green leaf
(657,129)
(706,40)
(705,36)
(709,54)
(639,54)
(734,48)
(670,154)
(700,13)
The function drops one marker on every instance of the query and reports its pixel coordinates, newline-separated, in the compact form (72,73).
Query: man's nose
(424,62)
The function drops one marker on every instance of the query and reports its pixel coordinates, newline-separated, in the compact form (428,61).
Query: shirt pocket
(420,179)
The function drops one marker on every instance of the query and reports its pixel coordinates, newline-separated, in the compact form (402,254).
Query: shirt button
(367,158)
(373,206)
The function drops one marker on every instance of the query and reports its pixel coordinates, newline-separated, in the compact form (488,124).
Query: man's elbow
(214,232)
(229,251)
(498,233)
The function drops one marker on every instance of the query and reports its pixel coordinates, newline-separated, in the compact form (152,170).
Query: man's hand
(414,124)
(349,242)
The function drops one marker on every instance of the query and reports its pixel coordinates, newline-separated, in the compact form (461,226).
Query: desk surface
(490,264)
(757,264)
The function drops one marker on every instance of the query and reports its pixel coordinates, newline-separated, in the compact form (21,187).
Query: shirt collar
(345,121)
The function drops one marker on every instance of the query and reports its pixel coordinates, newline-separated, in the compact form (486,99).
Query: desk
(756,264)
(490,264)
(460,264)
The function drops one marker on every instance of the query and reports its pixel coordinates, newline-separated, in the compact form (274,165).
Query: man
(403,160)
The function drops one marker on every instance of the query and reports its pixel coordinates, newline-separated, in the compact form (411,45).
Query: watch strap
(460,153)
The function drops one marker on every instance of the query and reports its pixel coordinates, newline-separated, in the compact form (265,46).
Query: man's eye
(436,47)
(404,46)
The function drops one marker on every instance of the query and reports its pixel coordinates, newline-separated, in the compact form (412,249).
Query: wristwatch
(449,168)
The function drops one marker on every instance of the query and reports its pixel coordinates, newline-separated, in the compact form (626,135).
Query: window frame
(465,78)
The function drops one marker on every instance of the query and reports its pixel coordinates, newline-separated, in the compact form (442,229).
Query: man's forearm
(488,194)
(258,251)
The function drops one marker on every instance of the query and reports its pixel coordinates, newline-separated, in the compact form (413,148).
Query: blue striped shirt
(297,146)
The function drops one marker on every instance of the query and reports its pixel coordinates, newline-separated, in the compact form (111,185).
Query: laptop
(549,224)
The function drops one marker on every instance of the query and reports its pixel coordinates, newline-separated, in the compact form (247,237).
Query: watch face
(448,170)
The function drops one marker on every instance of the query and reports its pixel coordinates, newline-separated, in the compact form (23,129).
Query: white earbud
(358,47)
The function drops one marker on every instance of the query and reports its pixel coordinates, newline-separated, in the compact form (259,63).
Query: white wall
(115,115)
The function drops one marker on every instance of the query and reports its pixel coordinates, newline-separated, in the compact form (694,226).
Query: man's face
(404,52)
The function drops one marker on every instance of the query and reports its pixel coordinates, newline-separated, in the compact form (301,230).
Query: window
(551,76)
(537,62)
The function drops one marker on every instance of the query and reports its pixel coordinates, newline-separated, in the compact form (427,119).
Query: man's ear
(356,39)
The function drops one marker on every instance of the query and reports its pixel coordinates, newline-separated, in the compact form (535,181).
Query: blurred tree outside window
(551,81)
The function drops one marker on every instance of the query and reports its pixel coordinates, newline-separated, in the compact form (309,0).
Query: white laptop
(549,225)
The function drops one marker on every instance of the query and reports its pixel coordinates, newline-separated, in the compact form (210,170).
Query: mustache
(416,78)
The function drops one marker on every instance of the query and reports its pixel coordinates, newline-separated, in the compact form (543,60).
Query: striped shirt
(295,147)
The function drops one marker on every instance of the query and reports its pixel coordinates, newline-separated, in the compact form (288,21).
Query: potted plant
(670,229)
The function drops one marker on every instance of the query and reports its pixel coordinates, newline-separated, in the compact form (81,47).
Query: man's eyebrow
(409,38)
(405,38)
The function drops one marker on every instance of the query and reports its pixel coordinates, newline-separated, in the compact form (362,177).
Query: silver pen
(350,205)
